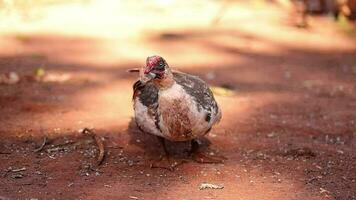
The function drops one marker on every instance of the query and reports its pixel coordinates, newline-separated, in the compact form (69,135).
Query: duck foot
(202,157)
(166,163)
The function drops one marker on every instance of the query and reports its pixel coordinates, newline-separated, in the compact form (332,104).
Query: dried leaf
(222,91)
(39,72)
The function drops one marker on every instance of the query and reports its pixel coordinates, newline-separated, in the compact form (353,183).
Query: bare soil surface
(288,98)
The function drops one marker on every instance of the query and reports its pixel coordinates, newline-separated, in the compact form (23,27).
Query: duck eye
(160,66)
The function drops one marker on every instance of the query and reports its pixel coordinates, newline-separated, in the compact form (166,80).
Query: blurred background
(229,43)
(283,72)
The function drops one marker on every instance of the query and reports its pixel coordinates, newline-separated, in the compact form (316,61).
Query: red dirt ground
(288,128)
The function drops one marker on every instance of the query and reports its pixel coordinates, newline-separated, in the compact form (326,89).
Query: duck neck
(165,83)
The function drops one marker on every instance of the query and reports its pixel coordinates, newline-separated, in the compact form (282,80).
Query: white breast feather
(144,120)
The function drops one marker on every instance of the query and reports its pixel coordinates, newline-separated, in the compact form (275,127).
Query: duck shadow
(152,147)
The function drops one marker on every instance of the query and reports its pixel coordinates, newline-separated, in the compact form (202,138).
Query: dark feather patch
(136,88)
(138,84)
(157,122)
(208,117)
(147,94)
(197,88)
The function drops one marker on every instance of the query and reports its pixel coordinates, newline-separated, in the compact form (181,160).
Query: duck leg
(164,162)
(200,157)
(162,141)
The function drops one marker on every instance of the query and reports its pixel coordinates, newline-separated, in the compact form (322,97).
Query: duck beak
(149,76)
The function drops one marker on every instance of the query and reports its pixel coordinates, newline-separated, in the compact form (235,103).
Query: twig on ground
(99,143)
(19,170)
(42,145)
(132,70)
(16,175)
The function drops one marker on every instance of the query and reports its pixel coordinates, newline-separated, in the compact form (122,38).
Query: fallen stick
(101,147)
(133,70)
(19,170)
(13,170)
(99,143)
(42,145)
